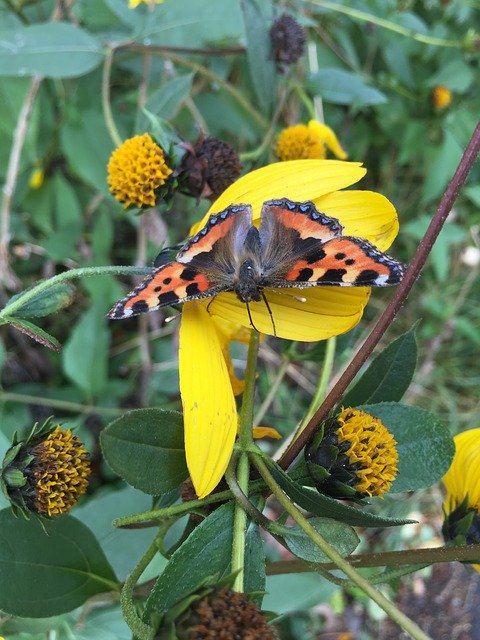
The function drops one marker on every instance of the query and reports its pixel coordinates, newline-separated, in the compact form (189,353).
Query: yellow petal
(210,414)
(328,136)
(228,332)
(325,311)
(363,213)
(298,180)
(266,432)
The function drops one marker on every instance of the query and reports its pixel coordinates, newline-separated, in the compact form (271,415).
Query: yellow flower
(133,4)
(462,482)
(308,142)
(46,473)
(36,178)
(210,415)
(136,170)
(441,97)
(353,456)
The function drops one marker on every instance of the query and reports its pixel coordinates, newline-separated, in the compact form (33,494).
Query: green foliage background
(375,65)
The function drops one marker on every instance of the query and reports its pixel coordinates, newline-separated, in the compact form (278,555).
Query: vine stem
(243,467)
(274,386)
(468,158)
(6,274)
(30,294)
(106,105)
(390,609)
(142,630)
(387,24)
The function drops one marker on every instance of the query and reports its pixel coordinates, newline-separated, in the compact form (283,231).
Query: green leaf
(259,54)
(145,447)
(205,553)
(45,302)
(254,577)
(425,446)
(456,75)
(53,49)
(98,515)
(342,538)
(295,591)
(34,332)
(389,374)
(86,352)
(440,162)
(344,87)
(49,567)
(167,100)
(321,505)
(61,244)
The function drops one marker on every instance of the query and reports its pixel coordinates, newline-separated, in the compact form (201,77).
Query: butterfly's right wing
(203,267)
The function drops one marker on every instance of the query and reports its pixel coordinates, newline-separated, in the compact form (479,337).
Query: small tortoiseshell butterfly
(295,246)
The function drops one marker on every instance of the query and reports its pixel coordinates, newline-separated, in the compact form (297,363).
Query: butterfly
(295,246)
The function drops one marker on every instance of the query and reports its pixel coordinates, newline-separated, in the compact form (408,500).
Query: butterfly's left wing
(204,266)
(345,261)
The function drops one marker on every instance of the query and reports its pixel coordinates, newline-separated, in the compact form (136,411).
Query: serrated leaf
(53,49)
(205,553)
(340,536)
(45,302)
(344,87)
(389,374)
(259,54)
(321,505)
(425,446)
(145,447)
(34,332)
(49,567)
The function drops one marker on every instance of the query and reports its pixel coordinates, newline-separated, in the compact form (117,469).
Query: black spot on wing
(140,306)
(188,274)
(367,276)
(170,297)
(332,276)
(304,275)
(192,289)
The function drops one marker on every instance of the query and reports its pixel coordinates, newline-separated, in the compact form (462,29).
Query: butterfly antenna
(171,318)
(269,313)
(208,305)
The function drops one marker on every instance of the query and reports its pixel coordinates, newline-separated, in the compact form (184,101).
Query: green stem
(236,95)
(322,386)
(32,293)
(395,614)
(306,101)
(272,391)
(137,625)
(64,405)
(106,105)
(387,24)
(243,467)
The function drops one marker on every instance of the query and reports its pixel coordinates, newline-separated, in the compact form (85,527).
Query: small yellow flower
(133,4)
(353,457)
(462,482)
(441,97)
(47,473)
(36,179)
(308,142)
(317,313)
(136,170)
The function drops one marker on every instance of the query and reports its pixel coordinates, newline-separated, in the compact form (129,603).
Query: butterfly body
(295,246)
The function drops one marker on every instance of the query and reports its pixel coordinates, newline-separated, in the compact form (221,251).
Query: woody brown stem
(468,158)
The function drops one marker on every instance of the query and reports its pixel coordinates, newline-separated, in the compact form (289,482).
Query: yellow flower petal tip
(266,432)
(133,4)
(209,408)
(36,179)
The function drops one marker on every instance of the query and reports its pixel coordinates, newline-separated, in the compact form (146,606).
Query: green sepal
(14,478)
(460,526)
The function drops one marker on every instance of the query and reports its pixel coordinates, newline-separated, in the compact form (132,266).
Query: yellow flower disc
(441,97)
(136,169)
(61,471)
(372,449)
(299,143)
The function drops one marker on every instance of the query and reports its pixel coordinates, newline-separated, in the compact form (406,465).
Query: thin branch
(395,304)
(6,274)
